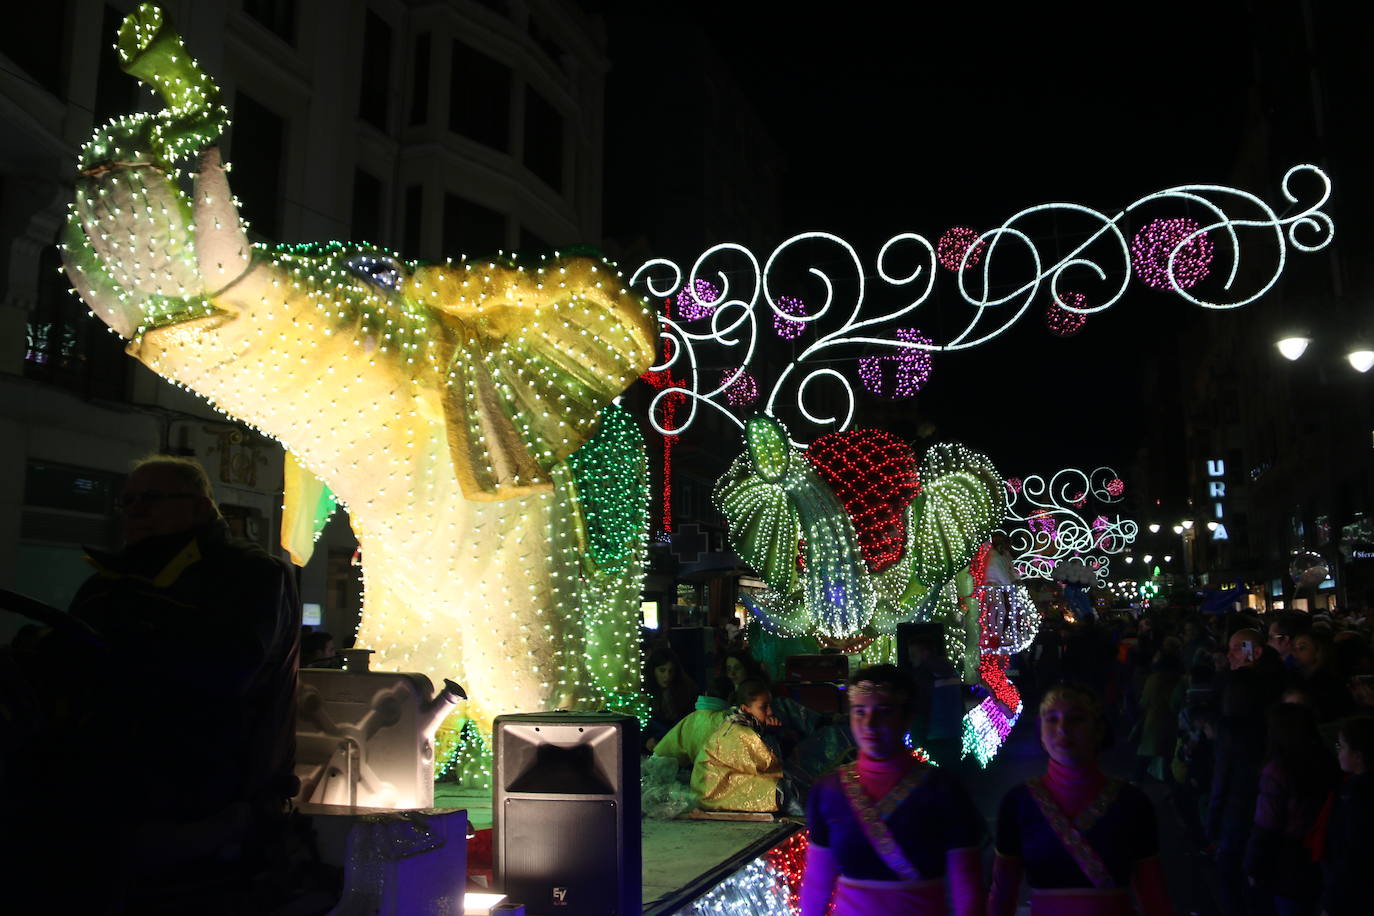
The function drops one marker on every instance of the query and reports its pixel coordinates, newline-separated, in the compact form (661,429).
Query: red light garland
(873,473)
(789,858)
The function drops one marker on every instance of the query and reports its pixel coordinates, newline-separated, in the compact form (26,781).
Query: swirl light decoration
(1044,524)
(1014,273)
(461,411)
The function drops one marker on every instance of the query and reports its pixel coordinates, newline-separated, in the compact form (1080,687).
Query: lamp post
(1184,530)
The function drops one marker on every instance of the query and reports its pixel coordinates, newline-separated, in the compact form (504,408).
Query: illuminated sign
(1216,491)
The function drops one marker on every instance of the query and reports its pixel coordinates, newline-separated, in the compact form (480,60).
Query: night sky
(933,116)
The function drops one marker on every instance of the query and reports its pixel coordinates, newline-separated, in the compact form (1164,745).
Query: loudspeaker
(565,812)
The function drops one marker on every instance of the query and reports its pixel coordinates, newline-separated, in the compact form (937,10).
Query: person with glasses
(195,705)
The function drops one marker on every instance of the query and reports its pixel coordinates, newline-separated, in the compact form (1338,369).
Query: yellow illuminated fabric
(736,771)
(685,740)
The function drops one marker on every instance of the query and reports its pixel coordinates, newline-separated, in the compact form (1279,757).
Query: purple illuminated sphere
(688,306)
(952,245)
(1155,243)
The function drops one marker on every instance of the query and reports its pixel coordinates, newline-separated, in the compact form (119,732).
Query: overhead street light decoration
(728,302)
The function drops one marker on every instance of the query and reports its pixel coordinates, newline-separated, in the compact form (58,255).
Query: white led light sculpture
(1013,273)
(460,411)
(1045,522)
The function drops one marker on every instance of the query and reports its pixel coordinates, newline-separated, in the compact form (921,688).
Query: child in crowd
(736,770)
(685,740)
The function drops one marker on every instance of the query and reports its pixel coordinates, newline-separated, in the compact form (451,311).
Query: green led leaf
(765,529)
(613,490)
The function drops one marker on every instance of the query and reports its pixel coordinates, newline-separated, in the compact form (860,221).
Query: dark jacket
(1349,849)
(203,639)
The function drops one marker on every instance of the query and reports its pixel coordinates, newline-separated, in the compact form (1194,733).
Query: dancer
(1082,840)
(890,833)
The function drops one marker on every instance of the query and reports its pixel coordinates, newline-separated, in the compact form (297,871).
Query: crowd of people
(1255,731)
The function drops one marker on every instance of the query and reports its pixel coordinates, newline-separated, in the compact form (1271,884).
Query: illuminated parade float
(464,413)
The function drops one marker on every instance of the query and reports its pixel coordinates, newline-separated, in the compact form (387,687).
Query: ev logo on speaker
(560,896)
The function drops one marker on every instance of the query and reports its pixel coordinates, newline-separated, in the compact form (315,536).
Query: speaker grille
(562,855)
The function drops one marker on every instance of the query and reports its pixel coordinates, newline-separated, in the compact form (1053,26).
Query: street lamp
(1293,347)
(1361,360)
(1178,529)
(1211,526)
(1154,527)
(1187,523)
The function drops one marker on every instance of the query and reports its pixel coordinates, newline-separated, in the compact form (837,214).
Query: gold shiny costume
(736,771)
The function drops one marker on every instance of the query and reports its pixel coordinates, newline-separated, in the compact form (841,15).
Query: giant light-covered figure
(460,411)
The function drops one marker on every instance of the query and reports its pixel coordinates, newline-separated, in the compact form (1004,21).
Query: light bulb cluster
(697,300)
(769,885)
(986,728)
(910,368)
(741,388)
(959,248)
(1172,254)
(1061,321)
(789,328)
(874,475)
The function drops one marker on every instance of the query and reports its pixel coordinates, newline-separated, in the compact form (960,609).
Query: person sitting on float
(890,833)
(1083,840)
(736,769)
(685,740)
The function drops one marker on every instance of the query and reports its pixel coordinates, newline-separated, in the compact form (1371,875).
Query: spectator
(937,702)
(1159,716)
(1349,844)
(736,769)
(1253,682)
(1297,777)
(203,640)
(684,741)
(1282,630)
(1312,655)
(673,693)
(317,650)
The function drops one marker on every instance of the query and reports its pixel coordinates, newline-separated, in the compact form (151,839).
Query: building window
(259,134)
(471,229)
(366,221)
(278,16)
(543,139)
(65,346)
(419,80)
(410,241)
(375,91)
(479,97)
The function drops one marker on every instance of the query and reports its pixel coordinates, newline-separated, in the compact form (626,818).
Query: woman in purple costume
(889,833)
(1082,840)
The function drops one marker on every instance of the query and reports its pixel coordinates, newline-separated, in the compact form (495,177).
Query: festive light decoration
(741,389)
(1172,254)
(1009,619)
(788,524)
(1045,527)
(959,248)
(698,301)
(461,412)
(1062,321)
(912,368)
(874,475)
(998,293)
(767,886)
(789,328)
(986,728)
(669,407)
